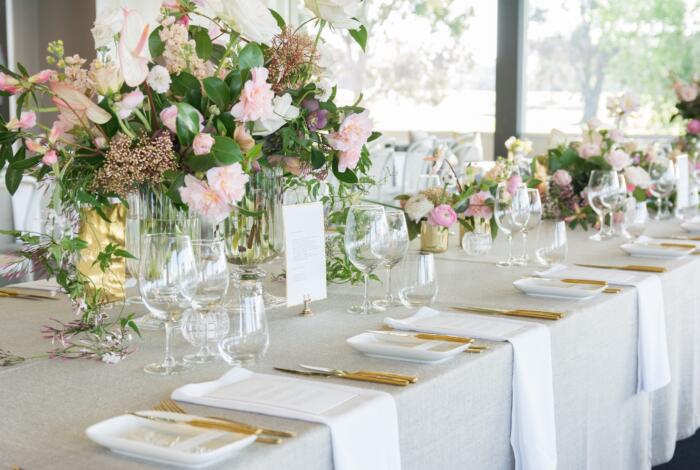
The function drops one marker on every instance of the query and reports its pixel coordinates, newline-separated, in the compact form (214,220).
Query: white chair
(415,164)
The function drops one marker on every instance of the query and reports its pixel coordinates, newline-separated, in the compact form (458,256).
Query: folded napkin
(363,423)
(645,239)
(532,429)
(653,370)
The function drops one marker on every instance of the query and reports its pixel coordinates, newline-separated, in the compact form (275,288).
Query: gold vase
(433,238)
(98,233)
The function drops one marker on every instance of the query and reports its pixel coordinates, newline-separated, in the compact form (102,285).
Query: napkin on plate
(532,429)
(653,370)
(363,422)
(646,239)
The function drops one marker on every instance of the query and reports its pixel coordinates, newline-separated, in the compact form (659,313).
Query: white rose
(637,176)
(417,207)
(339,13)
(251,18)
(107,25)
(283,111)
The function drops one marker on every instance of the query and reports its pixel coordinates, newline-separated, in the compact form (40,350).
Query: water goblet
(663,181)
(511,213)
(600,187)
(392,247)
(532,222)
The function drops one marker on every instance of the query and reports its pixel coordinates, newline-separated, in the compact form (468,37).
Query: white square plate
(557,289)
(652,250)
(406,348)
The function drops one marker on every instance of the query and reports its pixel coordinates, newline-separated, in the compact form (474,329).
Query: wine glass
(615,199)
(532,222)
(168,281)
(663,180)
(365,229)
(554,246)
(511,212)
(211,288)
(418,280)
(600,187)
(392,248)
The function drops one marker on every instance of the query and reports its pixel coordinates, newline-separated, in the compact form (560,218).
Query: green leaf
(174,190)
(278,18)
(227,121)
(155,44)
(374,136)
(234,80)
(248,213)
(225,150)
(13,178)
(20,104)
(360,36)
(22,70)
(217,53)
(5,154)
(187,123)
(348,176)
(218,92)
(25,163)
(199,163)
(317,159)
(183,82)
(250,56)
(203,44)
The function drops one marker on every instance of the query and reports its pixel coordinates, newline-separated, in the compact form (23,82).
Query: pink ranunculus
(349,139)
(478,206)
(169,118)
(44,76)
(35,146)
(9,84)
(204,200)
(202,143)
(442,216)
(513,183)
(26,120)
(133,51)
(561,178)
(49,158)
(589,150)
(256,98)
(129,102)
(618,159)
(694,126)
(229,180)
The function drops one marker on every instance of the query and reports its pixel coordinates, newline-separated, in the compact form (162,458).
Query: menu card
(682,190)
(305,253)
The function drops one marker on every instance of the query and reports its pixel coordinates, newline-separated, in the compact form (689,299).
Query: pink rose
(49,158)
(9,84)
(229,181)
(618,159)
(349,139)
(202,143)
(589,150)
(561,178)
(204,200)
(256,98)
(43,76)
(27,120)
(478,206)
(169,118)
(694,126)
(514,183)
(442,216)
(128,103)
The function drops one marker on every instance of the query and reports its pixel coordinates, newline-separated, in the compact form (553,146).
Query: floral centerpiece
(688,109)
(189,99)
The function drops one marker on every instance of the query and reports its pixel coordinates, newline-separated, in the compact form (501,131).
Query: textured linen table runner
(653,370)
(532,429)
(363,423)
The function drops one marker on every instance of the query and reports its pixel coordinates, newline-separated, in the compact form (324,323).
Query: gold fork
(172,407)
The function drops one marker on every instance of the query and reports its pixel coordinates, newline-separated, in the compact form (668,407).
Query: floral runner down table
(458,413)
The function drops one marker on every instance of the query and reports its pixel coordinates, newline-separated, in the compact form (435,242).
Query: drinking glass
(168,282)
(554,245)
(211,288)
(418,280)
(365,229)
(533,221)
(615,200)
(636,217)
(248,336)
(599,187)
(392,247)
(511,212)
(215,325)
(132,244)
(663,180)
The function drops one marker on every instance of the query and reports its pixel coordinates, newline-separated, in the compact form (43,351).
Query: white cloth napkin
(532,429)
(645,239)
(363,423)
(653,370)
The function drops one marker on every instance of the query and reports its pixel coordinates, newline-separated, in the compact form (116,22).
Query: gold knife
(24,294)
(202,423)
(358,377)
(538,314)
(426,336)
(629,267)
(682,237)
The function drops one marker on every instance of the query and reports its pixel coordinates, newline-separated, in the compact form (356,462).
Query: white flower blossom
(339,13)
(283,111)
(251,18)
(418,207)
(107,25)
(159,79)
(111,358)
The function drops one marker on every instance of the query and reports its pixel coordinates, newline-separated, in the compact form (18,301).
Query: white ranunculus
(418,207)
(107,25)
(283,110)
(339,13)
(251,18)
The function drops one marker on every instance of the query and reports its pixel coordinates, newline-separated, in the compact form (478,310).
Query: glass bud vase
(433,238)
(477,242)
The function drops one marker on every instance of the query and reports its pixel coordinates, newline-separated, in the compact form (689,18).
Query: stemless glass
(554,245)
(418,280)
(167,282)
(600,186)
(392,248)
(663,180)
(511,212)
(532,222)
(636,217)
(248,336)
(212,286)
(365,229)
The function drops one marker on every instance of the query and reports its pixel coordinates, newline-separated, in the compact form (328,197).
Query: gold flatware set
(629,267)
(517,312)
(17,294)
(385,378)
(473,348)
(592,282)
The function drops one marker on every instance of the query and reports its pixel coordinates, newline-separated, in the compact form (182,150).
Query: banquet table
(456,417)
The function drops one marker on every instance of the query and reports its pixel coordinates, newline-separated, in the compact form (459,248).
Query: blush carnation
(694,126)
(229,181)
(256,98)
(204,200)
(349,139)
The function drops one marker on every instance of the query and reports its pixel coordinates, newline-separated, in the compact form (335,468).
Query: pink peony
(589,150)
(442,216)
(561,178)
(49,158)
(44,76)
(229,181)
(349,139)
(9,84)
(514,183)
(204,200)
(478,206)
(202,143)
(256,98)
(618,159)
(27,120)
(694,126)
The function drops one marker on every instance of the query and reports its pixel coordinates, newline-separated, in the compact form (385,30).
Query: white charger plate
(406,348)
(172,444)
(654,251)
(556,289)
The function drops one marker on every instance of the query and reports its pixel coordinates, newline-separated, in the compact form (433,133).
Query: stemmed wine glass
(211,288)
(532,223)
(600,188)
(365,229)
(616,201)
(392,248)
(663,180)
(168,282)
(511,212)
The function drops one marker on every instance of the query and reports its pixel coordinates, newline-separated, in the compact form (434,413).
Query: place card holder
(306,311)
